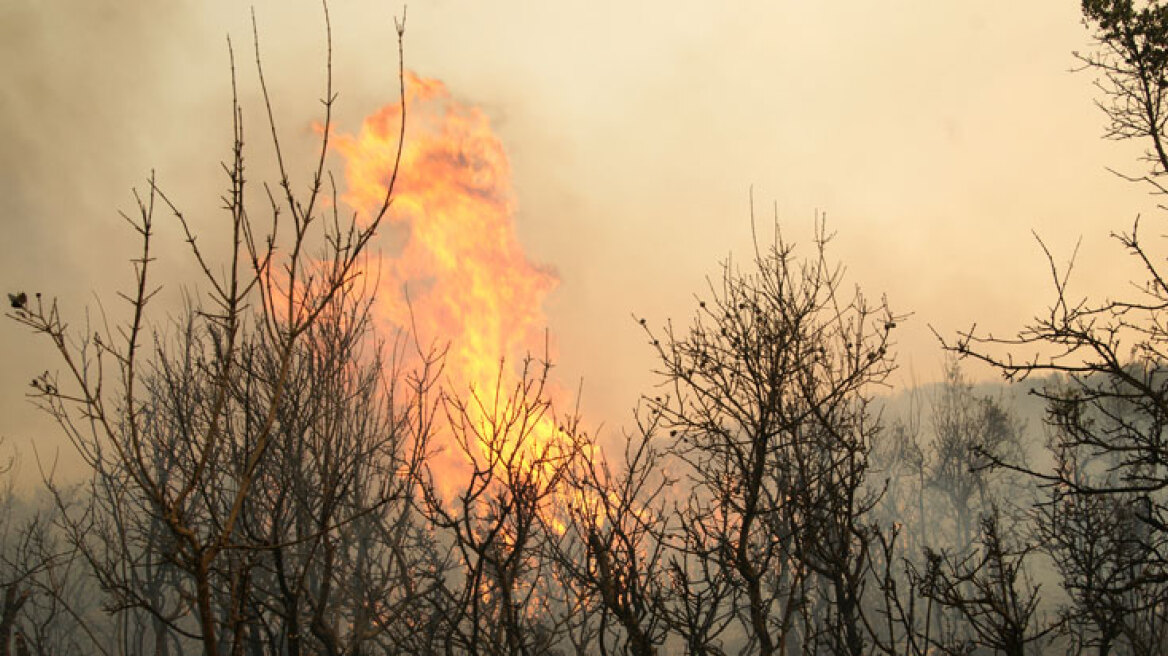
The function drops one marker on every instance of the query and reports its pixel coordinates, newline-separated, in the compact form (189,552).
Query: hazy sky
(936,137)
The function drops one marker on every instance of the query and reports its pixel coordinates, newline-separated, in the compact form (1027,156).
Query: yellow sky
(936,137)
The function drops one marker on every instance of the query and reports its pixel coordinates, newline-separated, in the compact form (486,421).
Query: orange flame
(467,277)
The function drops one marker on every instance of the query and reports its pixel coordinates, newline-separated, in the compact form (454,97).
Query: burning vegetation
(349,442)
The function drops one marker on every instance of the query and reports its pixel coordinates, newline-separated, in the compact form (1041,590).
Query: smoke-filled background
(935,137)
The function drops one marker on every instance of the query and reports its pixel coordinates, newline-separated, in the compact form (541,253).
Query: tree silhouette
(190,433)
(766,396)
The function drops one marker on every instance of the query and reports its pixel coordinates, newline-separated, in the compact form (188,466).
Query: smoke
(935,139)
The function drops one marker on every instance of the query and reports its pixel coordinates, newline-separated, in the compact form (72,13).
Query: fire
(460,265)
(467,276)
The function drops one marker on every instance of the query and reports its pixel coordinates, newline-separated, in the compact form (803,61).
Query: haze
(935,137)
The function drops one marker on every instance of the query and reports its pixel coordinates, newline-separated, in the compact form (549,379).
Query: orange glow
(454,253)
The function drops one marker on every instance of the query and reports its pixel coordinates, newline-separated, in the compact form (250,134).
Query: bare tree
(989,590)
(766,396)
(499,516)
(613,550)
(1107,395)
(901,618)
(342,559)
(1098,545)
(899,456)
(181,438)
(968,431)
(1107,392)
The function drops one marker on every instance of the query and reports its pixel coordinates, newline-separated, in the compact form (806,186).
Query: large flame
(461,274)
(467,276)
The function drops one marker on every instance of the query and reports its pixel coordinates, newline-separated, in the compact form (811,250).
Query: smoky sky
(934,137)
